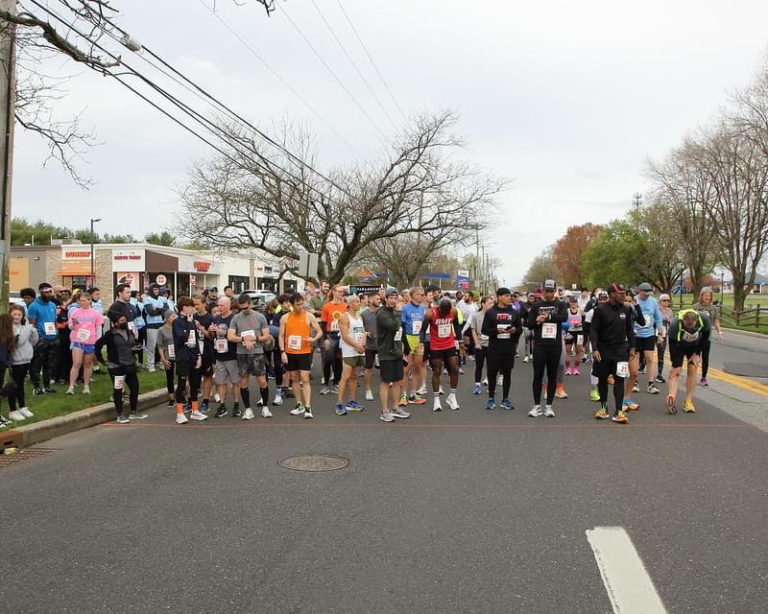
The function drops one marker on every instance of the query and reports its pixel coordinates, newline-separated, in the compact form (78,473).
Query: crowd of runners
(419,341)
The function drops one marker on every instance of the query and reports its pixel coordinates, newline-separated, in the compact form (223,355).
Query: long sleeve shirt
(496,326)
(549,332)
(612,328)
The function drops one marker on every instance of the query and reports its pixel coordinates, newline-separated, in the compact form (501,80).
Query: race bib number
(549,331)
(83,335)
(359,337)
(191,340)
(334,326)
(172,351)
(221,345)
(200,345)
(399,334)
(294,342)
(690,337)
(646,320)
(246,334)
(502,332)
(416,325)
(49,328)
(622,369)
(443,331)
(119,382)
(484,339)
(131,327)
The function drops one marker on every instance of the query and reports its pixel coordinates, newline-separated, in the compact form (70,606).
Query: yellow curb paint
(740,382)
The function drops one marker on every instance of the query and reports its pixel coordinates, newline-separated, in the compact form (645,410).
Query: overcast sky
(567,99)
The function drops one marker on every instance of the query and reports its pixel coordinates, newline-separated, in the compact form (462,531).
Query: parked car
(14,298)
(264,296)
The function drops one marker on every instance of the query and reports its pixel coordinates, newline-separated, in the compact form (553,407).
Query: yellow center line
(741,382)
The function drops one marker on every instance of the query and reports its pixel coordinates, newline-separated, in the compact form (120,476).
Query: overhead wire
(372,61)
(354,64)
(332,72)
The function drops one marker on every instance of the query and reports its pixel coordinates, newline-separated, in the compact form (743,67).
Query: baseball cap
(616,287)
(502,291)
(664,297)
(602,294)
(550,285)
(392,292)
(645,287)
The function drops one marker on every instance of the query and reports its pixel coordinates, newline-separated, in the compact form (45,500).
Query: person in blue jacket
(649,328)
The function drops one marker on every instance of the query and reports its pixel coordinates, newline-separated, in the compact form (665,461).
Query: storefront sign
(202,265)
(132,279)
(128,260)
(76,252)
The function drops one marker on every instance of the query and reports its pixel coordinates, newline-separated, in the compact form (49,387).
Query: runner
(574,338)
(705,306)
(296,342)
(205,326)
(187,342)
(329,320)
(389,333)
(85,327)
(501,324)
(352,342)
(250,331)
(481,341)
(528,345)
(688,336)
(412,318)
(601,297)
(444,326)
(369,321)
(648,330)
(167,351)
(613,345)
(546,318)
(226,374)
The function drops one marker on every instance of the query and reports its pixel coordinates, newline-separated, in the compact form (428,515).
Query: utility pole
(8,102)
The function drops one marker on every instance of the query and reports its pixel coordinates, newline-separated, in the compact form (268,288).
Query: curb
(25,436)
(746,333)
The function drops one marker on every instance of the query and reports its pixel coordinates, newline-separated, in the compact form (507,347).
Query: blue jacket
(155,308)
(652,316)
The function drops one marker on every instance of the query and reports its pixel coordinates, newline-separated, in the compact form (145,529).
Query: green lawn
(59,404)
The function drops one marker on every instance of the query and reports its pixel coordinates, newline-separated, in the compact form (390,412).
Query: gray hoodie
(26,339)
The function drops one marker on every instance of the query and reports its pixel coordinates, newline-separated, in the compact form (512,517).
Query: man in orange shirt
(329,321)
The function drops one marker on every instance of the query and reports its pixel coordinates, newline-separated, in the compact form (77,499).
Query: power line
(279,78)
(333,74)
(354,64)
(370,58)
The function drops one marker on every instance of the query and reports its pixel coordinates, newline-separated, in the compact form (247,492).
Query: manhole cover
(22,455)
(314,462)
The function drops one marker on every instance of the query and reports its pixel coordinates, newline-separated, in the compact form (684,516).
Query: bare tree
(245,199)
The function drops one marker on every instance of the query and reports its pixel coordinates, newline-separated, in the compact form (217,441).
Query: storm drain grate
(22,455)
(314,462)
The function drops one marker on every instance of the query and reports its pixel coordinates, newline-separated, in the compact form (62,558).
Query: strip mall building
(184,271)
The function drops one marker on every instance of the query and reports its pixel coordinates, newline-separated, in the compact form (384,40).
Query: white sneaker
(16,416)
(485,381)
(525,359)
(248,414)
(308,414)
(265,413)
(535,411)
(441,390)
(368,395)
(452,402)
(422,391)
(278,399)
(25,412)
(259,403)
(70,391)
(217,397)
(86,390)
(181,419)
(198,415)
(437,406)
(548,412)
(151,369)
(297,411)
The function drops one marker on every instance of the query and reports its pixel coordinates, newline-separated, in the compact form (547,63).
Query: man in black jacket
(502,325)
(546,319)
(613,343)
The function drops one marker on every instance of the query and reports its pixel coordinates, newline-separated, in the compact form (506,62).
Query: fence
(754,317)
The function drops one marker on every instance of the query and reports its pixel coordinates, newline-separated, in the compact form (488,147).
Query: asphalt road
(468,511)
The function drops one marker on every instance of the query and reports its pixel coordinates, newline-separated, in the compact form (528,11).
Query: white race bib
(200,345)
(294,342)
(334,326)
(83,335)
(191,339)
(172,352)
(119,382)
(690,337)
(131,327)
(549,331)
(416,325)
(359,337)
(221,345)
(484,339)
(444,331)
(501,332)
(399,334)
(646,320)
(622,369)
(247,334)
(49,328)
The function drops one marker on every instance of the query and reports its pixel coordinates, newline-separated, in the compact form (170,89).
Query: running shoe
(86,390)
(601,414)
(688,407)
(137,417)
(248,414)
(630,405)
(478,389)
(452,402)
(507,404)
(560,393)
(387,417)
(641,370)
(568,371)
(198,415)
(325,391)
(485,381)
(417,399)
(401,414)
(265,413)
(594,395)
(180,419)
(221,411)
(278,398)
(636,387)
(422,391)
(308,413)
(236,410)
(703,381)
(368,395)
(298,410)
(16,416)
(26,413)
(437,406)
(490,404)
(652,389)
(549,412)
(204,406)
(340,410)
(620,417)
(171,402)
(403,402)
(70,391)
(659,380)
(354,406)
(576,371)
(671,404)
(123,419)
(535,411)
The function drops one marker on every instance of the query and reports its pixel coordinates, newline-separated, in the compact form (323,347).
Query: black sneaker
(659,380)
(38,391)
(49,391)
(204,407)
(171,403)
(221,411)
(236,413)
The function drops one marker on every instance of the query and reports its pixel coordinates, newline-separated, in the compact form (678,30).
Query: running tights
(545,358)
(479,362)
(500,363)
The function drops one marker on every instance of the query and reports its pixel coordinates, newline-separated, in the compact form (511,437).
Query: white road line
(628,584)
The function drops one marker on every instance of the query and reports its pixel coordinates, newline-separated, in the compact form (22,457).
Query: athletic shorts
(645,344)
(391,370)
(299,362)
(370,358)
(443,355)
(678,352)
(206,368)
(226,373)
(354,361)
(85,348)
(412,341)
(607,364)
(251,364)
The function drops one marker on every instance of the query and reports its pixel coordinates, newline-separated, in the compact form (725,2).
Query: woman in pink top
(85,324)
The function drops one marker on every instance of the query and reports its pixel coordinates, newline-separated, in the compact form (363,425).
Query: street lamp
(93,277)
